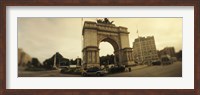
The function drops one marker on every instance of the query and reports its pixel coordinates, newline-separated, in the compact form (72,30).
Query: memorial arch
(96,32)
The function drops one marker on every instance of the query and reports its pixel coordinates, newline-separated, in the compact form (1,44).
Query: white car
(94,71)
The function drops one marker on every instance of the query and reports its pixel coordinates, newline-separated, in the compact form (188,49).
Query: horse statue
(105,21)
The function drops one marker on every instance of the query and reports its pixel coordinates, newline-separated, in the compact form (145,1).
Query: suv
(94,71)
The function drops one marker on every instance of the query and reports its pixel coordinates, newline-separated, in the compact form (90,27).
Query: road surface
(172,70)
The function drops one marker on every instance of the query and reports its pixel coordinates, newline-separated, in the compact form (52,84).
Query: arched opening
(107,52)
(106,55)
(105,49)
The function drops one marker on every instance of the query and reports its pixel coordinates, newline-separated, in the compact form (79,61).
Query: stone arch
(95,33)
(115,46)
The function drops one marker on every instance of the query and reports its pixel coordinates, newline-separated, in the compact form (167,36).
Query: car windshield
(165,59)
(93,69)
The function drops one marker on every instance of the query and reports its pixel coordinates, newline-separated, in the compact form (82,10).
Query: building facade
(144,50)
(168,51)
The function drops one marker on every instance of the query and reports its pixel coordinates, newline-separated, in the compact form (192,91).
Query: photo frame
(3,22)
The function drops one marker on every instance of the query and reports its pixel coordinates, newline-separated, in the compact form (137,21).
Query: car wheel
(84,74)
(98,74)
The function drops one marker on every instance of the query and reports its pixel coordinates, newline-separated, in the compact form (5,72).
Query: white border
(186,82)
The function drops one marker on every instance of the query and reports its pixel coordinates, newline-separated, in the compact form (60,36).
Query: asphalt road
(172,70)
(52,73)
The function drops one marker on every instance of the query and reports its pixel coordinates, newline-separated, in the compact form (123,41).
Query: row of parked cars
(164,60)
(94,71)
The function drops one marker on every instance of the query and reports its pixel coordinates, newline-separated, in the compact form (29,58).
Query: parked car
(94,71)
(71,71)
(156,62)
(116,69)
(166,59)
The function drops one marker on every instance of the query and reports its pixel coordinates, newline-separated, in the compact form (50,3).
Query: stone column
(121,57)
(128,56)
(91,57)
(97,57)
(115,62)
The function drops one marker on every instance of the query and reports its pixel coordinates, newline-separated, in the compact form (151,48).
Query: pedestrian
(129,69)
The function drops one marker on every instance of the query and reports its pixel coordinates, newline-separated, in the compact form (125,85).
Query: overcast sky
(43,37)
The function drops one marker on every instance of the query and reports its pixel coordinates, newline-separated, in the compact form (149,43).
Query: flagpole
(81,21)
(140,46)
(82,41)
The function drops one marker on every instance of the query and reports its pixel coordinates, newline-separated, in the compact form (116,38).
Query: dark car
(156,63)
(116,69)
(94,71)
